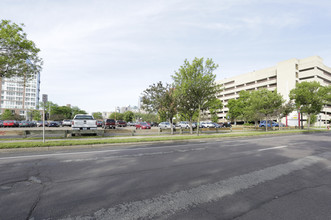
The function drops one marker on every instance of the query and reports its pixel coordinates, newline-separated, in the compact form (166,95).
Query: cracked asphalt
(276,177)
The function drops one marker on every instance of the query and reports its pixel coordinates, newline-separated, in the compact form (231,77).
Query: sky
(99,54)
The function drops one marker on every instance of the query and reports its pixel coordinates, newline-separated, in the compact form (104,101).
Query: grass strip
(139,140)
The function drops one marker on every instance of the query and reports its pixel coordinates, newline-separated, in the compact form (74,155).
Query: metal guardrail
(126,132)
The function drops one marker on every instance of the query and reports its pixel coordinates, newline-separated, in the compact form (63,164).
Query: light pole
(45,98)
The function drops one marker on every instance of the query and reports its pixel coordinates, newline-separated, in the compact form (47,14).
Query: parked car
(217,125)
(1,123)
(40,124)
(66,122)
(143,125)
(24,124)
(131,123)
(33,123)
(183,124)
(109,123)
(164,125)
(186,124)
(99,123)
(207,125)
(226,125)
(53,124)
(10,123)
(154,124)
(83,122)
(120,123)
(269,124)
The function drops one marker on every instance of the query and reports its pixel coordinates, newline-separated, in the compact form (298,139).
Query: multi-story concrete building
(283,77)
(20,94)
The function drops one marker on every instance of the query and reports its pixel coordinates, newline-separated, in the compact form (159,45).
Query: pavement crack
(36,202)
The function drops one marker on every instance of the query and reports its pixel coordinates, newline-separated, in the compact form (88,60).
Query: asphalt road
(275,177)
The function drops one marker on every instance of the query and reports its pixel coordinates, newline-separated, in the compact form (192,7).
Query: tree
(7,115)
(152,117)
(310,97)
(97,115)
(18,55)
(75,111)
(266,103)
(159,98)
(59,113)
(195,87)
(128,116)
(285,110)
(36,115)
(213,108)
(116,116)
(240,108)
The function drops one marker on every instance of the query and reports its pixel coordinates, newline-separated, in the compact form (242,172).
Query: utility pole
(45,99)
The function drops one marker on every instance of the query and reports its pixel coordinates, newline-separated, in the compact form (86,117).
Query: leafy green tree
(128,116)
(195,87)
(7,115)
(48,106)
(285,110)
(97,115)
(161,99)
(213,108)
(240,108)
(310,97)
(266,103)
(116,116)
(18,55)
(58,113)
(36,115)
(75,111)
(149,117)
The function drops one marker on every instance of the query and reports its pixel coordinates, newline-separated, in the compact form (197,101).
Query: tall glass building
(20,94)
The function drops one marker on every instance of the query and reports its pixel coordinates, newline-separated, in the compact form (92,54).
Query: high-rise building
(283,77)
(20,94)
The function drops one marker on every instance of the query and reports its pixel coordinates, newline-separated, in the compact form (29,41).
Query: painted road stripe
(272,148)
(168,204)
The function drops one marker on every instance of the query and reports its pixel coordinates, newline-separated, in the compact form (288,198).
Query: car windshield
(83,117)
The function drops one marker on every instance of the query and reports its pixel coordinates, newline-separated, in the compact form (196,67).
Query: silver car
(164,125)
(207,125)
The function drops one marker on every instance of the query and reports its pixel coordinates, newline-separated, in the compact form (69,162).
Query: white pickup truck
(83,122)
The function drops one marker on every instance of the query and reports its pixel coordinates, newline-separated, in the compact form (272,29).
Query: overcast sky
(102,54)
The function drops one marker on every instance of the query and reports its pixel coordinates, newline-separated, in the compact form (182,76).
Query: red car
(143,125)
(120,123)
(10,123)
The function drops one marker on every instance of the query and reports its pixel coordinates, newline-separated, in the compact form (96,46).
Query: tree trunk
(308,121)
(198,123)
(278,123)
(171,127)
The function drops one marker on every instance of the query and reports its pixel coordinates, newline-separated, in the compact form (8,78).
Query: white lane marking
(272,148)
(168,204)
(91,152)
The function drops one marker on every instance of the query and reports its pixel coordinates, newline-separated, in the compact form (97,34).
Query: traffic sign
(45,98)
